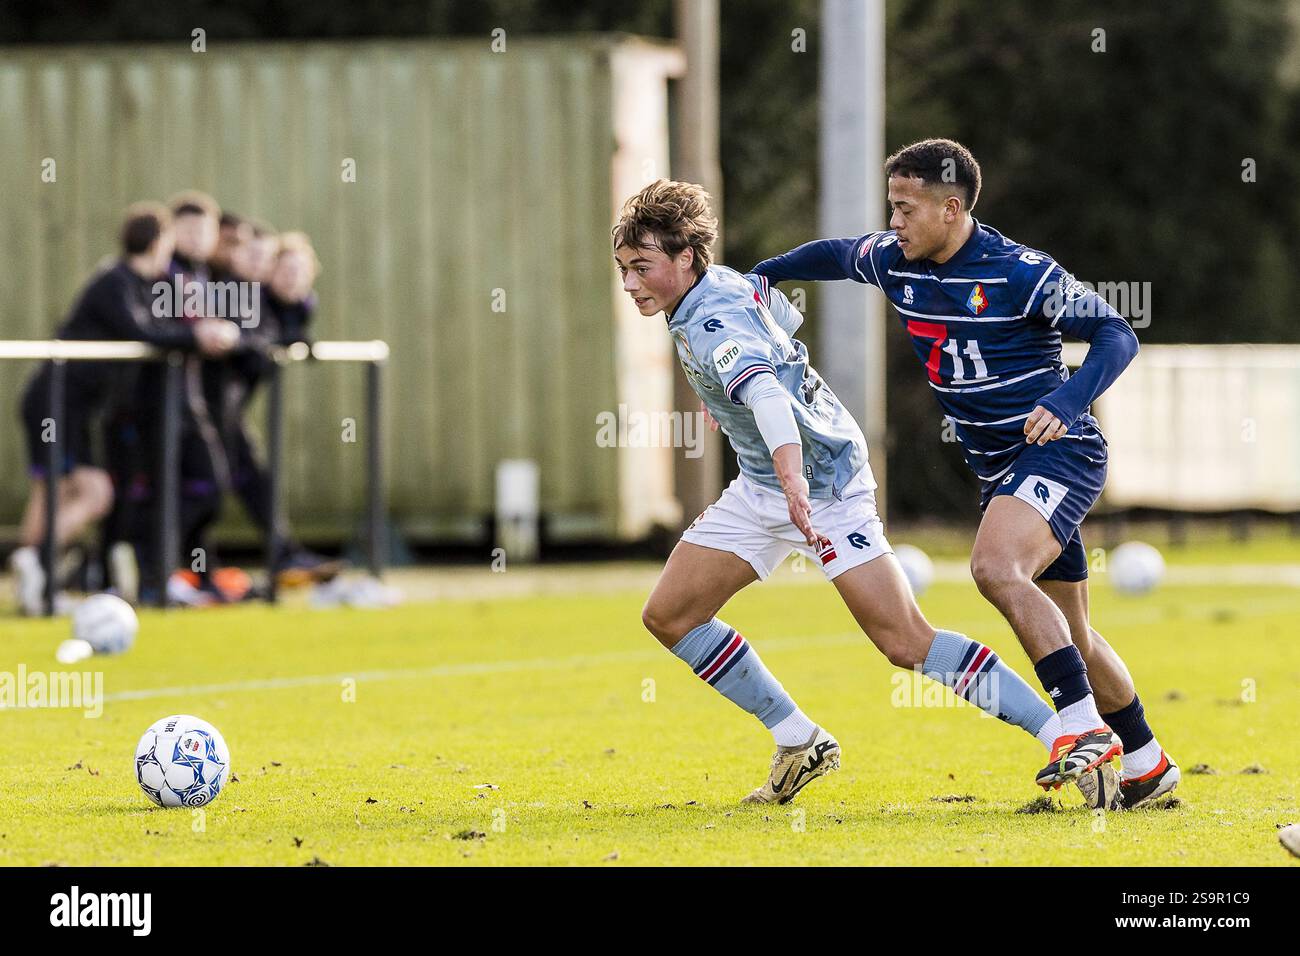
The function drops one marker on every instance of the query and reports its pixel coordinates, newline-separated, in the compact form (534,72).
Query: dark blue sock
(1064,676)
(1131,724)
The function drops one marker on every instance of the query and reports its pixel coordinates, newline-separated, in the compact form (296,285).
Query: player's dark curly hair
(938,161)
(669,216)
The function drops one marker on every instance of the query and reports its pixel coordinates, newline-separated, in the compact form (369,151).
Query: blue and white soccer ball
(105,622)
(182,761)
(917,567)
(1136,567)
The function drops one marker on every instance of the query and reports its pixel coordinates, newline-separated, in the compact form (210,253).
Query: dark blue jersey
(987,327)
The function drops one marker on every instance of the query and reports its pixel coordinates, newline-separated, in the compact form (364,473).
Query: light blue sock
(974,673)
(721,657)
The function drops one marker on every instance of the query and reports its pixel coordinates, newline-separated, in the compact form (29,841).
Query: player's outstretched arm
(770,404)
(823,259)
(113,313)
(788,463)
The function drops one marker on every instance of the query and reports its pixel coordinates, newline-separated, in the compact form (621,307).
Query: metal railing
(374,354)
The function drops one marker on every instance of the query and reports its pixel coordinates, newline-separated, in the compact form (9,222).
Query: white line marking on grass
(460,670)
(1137,615)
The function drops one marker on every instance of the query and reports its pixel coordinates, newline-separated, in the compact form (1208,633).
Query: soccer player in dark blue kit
(985,315)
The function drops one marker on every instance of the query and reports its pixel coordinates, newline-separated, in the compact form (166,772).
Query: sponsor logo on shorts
(859,540)
(1043,493)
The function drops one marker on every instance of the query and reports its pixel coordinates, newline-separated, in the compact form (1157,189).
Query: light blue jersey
(732,328)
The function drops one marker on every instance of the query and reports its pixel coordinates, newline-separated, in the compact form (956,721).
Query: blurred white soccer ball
(182,761)
(917,567)
(105,622)
(1136,567)
(73,650)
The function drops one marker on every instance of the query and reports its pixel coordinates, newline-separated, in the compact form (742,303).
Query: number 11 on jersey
(937,334)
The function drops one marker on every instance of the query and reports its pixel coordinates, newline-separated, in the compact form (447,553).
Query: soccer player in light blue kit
(985,315)
(804,484)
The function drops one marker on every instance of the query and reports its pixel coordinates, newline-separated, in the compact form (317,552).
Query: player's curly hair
(669,216)
(938,161)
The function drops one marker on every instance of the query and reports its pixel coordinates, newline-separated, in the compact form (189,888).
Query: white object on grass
(917,567)
(1135,567)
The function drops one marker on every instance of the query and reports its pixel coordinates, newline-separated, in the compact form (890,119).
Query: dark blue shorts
(73,433)
(1062,480)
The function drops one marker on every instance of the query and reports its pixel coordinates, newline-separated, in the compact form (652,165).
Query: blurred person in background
(232,230)
(115,305)
(204,469)
(286,268)
(293,281)
(245,257)
(198,234)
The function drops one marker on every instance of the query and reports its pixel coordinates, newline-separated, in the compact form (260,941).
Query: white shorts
(753,522)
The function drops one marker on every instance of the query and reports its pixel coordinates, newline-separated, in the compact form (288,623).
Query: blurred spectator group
(225,292)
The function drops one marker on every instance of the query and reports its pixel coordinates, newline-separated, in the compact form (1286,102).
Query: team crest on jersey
(978,301)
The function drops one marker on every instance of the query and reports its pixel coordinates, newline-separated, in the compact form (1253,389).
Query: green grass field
(551,729)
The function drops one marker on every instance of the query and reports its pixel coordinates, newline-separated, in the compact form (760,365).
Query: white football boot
(793,768)
(1101,787)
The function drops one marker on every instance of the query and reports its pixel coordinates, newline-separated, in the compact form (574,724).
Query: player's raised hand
(709,419)
(1042,426)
